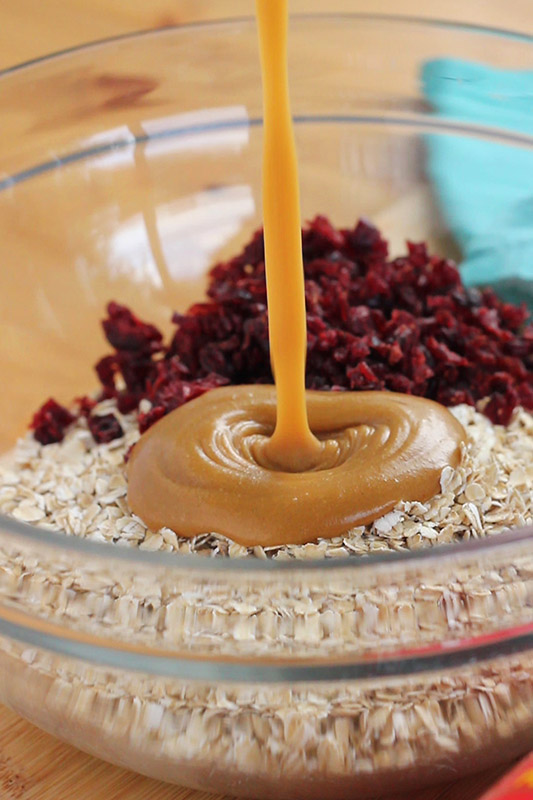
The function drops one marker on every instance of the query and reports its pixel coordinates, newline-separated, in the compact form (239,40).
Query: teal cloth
(485,189)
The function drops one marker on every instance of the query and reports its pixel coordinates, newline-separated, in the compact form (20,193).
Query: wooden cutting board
(34,765)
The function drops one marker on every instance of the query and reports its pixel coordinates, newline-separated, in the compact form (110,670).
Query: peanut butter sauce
(269,466)
(207,466)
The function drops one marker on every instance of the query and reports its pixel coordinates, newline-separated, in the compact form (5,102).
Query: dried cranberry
(171,390)
(106,369)
(406,325)
(449,396)
(363,377)
(365,242)
(322,238)
(127,402)
(500,408)
(149,418)
(105,428)
(50,422)
(441,352)
(254,252)
(85,405)
(418,253)
(124,331)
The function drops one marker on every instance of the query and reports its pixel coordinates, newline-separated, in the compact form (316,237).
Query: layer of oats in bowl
(79,487)
(357,679)
(347,664)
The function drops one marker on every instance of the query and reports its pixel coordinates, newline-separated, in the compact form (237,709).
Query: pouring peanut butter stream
(271,466)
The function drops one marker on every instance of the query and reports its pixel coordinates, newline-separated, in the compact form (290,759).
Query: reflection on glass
(129,252)
(185,239)
(121,144)
(223,128)
(194,228)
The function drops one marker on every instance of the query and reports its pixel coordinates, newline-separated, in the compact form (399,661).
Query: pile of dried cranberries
(406,325)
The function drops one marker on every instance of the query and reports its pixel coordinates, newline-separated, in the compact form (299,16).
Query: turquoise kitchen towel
(485,188)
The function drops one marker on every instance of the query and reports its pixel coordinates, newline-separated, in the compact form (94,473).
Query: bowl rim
(33,534)
(78,545)
(500,644)
(432,22)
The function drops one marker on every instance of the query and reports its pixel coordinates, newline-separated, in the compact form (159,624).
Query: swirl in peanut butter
(206,467)
(317,464)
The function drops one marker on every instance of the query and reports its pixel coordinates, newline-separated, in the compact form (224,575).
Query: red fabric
(516,785)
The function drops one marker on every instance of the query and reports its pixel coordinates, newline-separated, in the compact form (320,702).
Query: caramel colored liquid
(292,445)
(242,461)
(207,466)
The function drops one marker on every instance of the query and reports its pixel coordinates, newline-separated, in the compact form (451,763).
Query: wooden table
(33,765)
(29,28)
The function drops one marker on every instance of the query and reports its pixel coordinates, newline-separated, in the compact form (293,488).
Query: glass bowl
(127,168)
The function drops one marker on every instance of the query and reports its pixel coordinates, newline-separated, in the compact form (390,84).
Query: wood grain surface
(29,28)
(34,765)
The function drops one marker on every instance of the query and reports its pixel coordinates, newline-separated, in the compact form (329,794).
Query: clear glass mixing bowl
(126,168)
